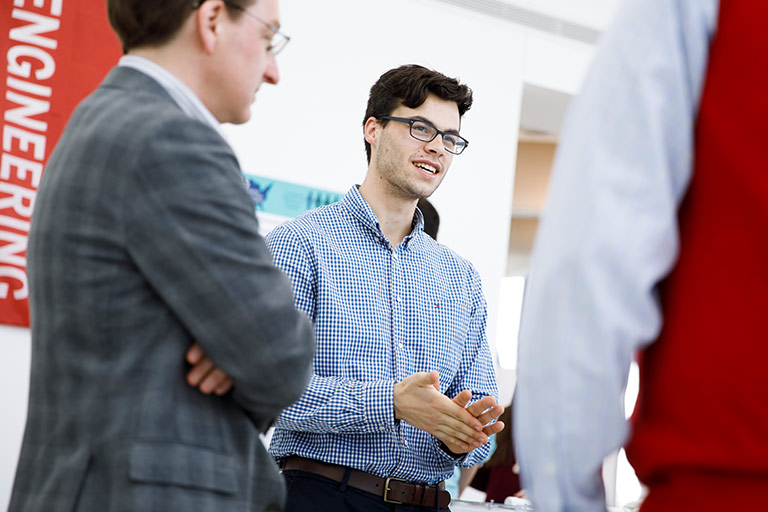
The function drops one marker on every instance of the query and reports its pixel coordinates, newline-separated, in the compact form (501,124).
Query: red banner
(56,52)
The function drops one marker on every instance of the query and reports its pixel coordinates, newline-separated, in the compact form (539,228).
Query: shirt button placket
(397,327)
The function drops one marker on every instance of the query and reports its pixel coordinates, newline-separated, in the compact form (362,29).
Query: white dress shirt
(607,237)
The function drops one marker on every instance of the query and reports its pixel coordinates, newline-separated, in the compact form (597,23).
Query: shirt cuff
(445,453)
(462,459)
(380,405)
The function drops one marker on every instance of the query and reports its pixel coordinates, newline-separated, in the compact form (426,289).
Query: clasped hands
(417,400)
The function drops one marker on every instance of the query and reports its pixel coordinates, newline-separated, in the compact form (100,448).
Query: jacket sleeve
(193,234)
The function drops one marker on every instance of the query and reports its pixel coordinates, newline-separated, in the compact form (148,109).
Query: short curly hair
(410,85)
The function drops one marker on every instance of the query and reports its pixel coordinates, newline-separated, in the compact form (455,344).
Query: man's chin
(240,118)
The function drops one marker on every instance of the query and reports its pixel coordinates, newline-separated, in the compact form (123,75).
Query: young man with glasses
(144,242)
(399,321)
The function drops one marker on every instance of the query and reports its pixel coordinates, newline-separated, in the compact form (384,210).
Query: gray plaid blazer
(143,241)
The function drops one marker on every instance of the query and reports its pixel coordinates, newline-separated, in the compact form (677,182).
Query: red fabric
(707,492)
(73,43)
(702,412)
(498,482)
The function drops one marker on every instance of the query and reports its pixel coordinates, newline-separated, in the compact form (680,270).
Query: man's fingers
(490,414)
(212,380)
(459,442)
(423,379)
(224,387)
(494,428)
(198,372)
(451,421)
(456,443)
(453,443)
(458,447)
(477,408)
(194,354)
(463,398)
(418,401)
(468,428)
(471,438)
(464,416)
(435,377)
(204,375)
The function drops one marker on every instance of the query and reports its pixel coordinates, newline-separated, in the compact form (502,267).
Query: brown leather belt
(391,490)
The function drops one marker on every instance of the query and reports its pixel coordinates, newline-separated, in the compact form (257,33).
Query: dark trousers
(307,492)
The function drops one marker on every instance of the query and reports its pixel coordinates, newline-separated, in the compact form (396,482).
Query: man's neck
(170,60)
(395,214)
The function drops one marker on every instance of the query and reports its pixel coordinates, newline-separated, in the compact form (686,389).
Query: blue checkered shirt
(381,313)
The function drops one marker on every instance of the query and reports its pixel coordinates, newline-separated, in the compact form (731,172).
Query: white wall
(14,388)
(553,63)
(308,130)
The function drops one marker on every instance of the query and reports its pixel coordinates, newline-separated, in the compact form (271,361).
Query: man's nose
(435,145)
(271,74)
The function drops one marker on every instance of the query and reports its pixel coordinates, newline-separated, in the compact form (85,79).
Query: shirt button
(405,442)
(399,299)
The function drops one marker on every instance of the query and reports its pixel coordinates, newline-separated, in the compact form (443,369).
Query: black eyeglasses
(278,41)
(426,132)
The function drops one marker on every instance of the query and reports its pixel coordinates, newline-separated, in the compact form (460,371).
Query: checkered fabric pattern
(381,313)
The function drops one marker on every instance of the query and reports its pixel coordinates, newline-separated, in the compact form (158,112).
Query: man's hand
(419,402)
(485,410)
(204,375)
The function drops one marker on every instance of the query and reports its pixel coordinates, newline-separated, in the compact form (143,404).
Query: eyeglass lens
(425,132)
(278,41)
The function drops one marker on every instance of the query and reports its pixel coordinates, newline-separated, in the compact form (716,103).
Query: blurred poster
(56,52)
(277,201)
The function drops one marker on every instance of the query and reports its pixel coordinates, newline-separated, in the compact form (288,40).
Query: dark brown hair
(410,85)
(431,217)
(154,22)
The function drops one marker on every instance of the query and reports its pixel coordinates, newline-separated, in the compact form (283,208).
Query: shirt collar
(187,100)
(359,208)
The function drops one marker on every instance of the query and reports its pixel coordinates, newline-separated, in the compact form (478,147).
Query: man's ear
(371,130)
(208,23)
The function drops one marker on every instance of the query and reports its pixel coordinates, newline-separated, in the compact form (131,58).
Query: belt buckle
(387,489)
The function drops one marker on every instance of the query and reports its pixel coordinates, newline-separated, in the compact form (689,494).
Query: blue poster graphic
(286,199)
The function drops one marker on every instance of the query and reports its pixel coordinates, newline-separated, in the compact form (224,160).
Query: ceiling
(542,111)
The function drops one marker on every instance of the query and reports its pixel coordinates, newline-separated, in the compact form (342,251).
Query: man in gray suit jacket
(143,243)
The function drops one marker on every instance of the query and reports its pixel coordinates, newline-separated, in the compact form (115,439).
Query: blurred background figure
(657,211)
(499,477)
